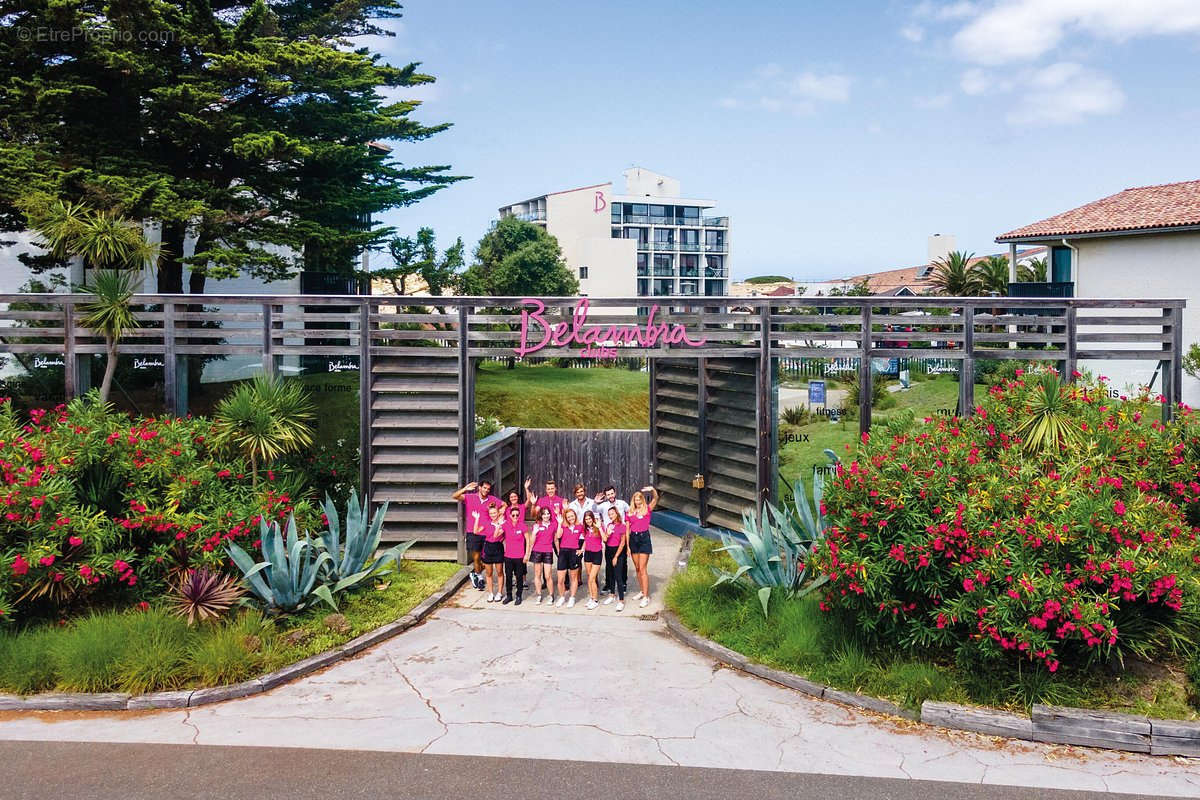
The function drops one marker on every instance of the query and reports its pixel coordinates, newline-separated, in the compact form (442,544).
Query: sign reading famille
(597,341)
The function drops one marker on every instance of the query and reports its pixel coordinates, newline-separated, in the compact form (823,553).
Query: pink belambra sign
(597,341)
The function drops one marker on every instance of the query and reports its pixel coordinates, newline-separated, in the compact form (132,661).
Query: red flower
(20,566)
(1119,507)
(75,541)
(46,561)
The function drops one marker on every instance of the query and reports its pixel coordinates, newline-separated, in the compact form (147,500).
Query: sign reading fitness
(597,341)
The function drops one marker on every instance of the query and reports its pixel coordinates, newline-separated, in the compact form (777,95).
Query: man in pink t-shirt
(476,498)
(551,499)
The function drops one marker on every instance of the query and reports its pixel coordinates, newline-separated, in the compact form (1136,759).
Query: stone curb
(191,698)
(1052,724)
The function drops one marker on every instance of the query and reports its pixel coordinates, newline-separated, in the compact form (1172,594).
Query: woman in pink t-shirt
(593,554)
(640,548)
(616,547)
(516,550)
(570,545)
(493,552)
(541,553)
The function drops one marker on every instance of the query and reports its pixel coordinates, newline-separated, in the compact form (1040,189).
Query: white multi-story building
(649,242)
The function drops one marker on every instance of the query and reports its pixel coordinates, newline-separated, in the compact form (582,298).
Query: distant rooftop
(1144,208)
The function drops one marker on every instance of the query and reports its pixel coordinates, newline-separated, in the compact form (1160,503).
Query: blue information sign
(816,392)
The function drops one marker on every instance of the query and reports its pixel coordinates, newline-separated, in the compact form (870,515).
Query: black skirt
(493,552)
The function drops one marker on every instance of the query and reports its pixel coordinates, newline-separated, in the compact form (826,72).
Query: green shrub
(100,509)
(231,653)
(157,647)
(26,666)
(952,536)
(87,655)
(914,682)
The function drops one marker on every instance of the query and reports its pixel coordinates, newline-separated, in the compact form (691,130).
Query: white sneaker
(561,599)
(621,606)
(608,600)
(592,604)
(645,601)
(538,601)
(638,596)
(571,603)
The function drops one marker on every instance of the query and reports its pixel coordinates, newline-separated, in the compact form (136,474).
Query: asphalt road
(93,771)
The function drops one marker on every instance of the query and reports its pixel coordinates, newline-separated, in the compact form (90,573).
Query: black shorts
(541,558)
(593,557)
(640,543)
(493,552)
(568,559)
(474,543)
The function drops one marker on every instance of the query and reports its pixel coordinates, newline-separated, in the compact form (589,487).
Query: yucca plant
(794,415)
(1049,426)
(287,580)
(265,418)
(203,595)
(348,564)
(110,315)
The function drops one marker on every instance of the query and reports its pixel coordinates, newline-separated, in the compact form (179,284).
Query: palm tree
(1034,271)
(953,275)
(114,248)
(110,315)
(266,418)
(992,273)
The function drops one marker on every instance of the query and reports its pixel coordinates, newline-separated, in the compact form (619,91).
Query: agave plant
(1049,426)
(266,418)
(202,595)
(348,565)
(288,579)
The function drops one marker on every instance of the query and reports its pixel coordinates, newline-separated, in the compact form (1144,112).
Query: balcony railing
(664,247)
(713,247)
(695,222)
(685,272)
(715,272)
(638,219)
(532,216)
(716,222)
(642,244)
(664,272)
(689,247)
(1042,289)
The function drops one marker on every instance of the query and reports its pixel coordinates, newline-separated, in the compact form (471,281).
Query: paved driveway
(532,682)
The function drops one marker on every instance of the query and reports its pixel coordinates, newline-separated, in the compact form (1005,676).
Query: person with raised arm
(541,552)
(476,498)
(493,552)
(640,547)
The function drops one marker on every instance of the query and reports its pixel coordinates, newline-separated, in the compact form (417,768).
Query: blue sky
(837,136)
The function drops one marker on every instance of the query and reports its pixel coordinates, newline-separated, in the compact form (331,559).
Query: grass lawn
(800,638)
(797,457)
(545,396)
(138,652)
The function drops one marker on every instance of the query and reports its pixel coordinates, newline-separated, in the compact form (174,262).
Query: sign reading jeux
(597,341)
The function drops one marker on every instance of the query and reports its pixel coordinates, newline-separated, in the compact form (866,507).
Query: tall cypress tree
(246,126)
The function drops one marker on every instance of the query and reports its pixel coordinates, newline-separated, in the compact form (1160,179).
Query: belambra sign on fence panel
(597,341)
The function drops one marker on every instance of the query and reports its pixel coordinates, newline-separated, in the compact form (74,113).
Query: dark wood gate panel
(498,459)
(595,458)
(731,441)
(674,426)
(414,446)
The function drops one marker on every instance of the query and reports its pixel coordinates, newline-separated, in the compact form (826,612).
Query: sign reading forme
(597,341)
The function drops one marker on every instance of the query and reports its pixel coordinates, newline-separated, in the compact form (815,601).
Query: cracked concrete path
(538,683)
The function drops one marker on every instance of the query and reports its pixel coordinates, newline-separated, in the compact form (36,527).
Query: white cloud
(1023,30)
(934,101)
(913,33)
(976,81)
(776,90)
(945,11)
(1065,93)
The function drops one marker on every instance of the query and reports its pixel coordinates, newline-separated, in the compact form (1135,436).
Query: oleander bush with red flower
(977,538)
(97,508)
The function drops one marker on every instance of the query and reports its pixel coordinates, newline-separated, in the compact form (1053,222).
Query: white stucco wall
(1158,266)
(581,220)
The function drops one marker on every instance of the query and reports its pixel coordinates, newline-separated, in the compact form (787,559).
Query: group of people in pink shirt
(561,539)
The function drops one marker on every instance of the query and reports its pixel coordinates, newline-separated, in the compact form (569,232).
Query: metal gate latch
(698,482)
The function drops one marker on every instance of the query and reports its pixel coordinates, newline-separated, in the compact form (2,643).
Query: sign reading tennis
(597,341)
